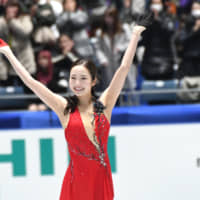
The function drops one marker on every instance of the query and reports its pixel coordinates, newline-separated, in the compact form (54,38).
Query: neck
(85,101)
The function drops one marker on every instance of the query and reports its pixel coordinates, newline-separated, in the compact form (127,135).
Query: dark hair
(67,35)
(73,100)
(112,12)
(17,4)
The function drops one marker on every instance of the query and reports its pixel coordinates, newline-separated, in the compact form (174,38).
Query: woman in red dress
(86,121)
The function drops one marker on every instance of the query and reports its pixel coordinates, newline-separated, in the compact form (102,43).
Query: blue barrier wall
(138,115)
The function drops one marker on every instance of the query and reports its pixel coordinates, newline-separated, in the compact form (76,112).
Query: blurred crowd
(48,35)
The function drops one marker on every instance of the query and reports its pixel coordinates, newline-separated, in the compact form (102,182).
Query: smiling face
(80,81)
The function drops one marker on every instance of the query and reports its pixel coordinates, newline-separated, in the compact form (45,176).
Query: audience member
(158,62)
(112,40)
(74,22)
(16,28)
(71,22)
(96,10)
(62,62)
(43,18)
(188,42)
(44,75)
(2,6)
(56,6)
(138,6)
(126,14)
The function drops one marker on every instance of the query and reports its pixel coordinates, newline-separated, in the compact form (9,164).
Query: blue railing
(135,115)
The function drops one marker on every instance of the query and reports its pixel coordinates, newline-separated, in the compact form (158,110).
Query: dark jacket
(158,57)
(188,41)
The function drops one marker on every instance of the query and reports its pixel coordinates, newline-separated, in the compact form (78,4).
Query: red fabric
(2,43)
(47,76)
(88,177)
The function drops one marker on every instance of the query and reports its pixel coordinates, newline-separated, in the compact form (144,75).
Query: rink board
(152,162)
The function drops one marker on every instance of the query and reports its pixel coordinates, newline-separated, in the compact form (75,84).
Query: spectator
(188,41)
(96,10)
(74,22)
(138,6)
(112,40)
(56,6)
(126,14)
(131,10)
(158,58)
(44,75)
(62,62)
(2,6)
(16,28)
(44,67)
(43,18)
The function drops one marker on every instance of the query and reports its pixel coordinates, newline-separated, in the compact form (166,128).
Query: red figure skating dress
(88,176)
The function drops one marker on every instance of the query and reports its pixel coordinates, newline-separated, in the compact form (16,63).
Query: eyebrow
(81,75)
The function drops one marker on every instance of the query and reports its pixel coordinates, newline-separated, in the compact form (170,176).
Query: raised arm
(54,101)
(110,95)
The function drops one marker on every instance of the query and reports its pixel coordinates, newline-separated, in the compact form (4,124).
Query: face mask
(157,7)
(195,13)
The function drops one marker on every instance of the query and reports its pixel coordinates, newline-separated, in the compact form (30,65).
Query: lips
(78,89)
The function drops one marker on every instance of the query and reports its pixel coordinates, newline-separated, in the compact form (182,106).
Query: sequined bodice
(79,142)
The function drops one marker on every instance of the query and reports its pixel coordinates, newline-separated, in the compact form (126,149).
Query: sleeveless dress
(88,176)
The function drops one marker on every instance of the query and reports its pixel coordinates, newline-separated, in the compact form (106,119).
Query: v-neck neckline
(86,134)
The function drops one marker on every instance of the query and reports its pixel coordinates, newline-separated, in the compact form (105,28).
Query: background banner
(151,162)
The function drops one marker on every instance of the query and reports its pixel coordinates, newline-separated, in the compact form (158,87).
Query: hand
(4,46)
(2,43)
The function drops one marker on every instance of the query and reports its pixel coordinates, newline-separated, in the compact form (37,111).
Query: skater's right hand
(4,48)
(2,43)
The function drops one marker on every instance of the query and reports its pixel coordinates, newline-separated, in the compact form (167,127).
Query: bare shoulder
(63,118)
